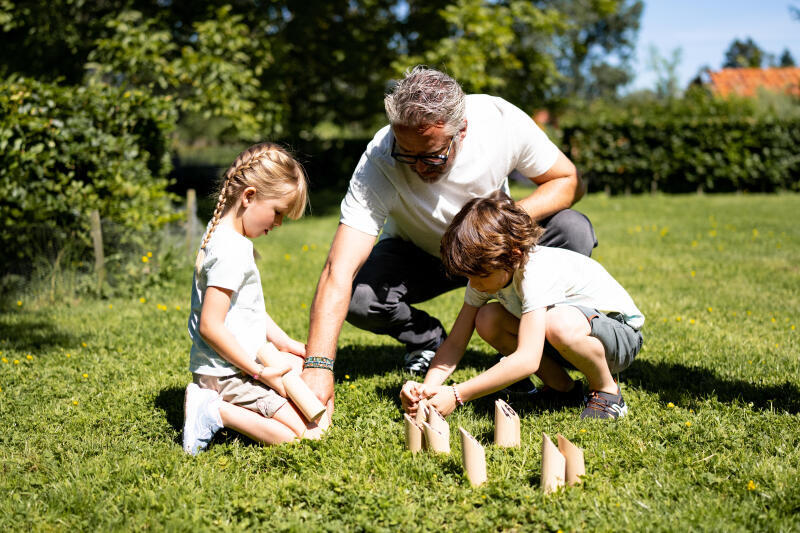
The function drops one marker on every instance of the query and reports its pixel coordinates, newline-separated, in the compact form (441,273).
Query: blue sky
(705,28)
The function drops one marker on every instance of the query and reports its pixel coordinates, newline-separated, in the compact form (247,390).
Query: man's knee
(362,305)
(572,230)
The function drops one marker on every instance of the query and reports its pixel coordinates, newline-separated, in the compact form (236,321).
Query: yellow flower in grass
(678,319)
(303,306)
(792,328)
(347,376)
(670,405)
(583,430)
(29,357)
(110,306)
(352,386)
(693,273)
(177,307)
(688,424)
(755,233)
(19,303)
(149,254)
(85,376)
(691,321)
(74,402)
(16,361)
(751,485)
(145,259)
(68,355)
(4,360)
(773,320)
(84,344)
(694,244)
(142,300)
(305,247)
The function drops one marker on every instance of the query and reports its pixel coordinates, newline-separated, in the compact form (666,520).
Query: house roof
(747,81)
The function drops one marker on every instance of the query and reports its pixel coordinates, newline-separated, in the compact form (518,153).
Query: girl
(228,323)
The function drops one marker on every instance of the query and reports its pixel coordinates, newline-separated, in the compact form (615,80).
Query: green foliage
(682,145)
(743,54)
(215,74)
(66,151)
(91,441)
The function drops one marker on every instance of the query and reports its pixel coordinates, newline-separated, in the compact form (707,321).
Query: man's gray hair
(425,97)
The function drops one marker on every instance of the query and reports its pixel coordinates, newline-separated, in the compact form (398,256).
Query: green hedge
(65,151)
(679,153)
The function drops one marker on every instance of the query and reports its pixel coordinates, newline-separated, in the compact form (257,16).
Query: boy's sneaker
(201,418)
(604,405)
(418,361)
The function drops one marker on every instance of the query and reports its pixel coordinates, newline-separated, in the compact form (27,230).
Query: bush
(65,151)
(698,142)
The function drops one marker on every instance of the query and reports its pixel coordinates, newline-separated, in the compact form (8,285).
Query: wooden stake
(474,457)
(553,466)
(575,467)
(97,243)
(422,412)
(506,425)
(302,396)
(413,434)
(437,421)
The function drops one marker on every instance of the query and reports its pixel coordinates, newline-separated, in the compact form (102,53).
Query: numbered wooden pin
(437,421)
(553,466)
(436,440)
(575,467)
(474,457)
(506,425)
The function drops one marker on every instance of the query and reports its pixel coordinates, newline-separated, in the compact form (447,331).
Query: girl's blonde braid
(244,162)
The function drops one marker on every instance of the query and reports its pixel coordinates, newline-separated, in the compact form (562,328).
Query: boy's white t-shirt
(229,264)
(500,139)
(555,276)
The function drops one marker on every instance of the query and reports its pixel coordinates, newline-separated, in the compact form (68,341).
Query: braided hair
(272,171)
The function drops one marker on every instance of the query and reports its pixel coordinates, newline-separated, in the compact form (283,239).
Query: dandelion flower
(792,328)
(347,376)
(352,386)
(110,306)
(19,303)
(74,402)
(4,360)
(29,357)
(69,355)
(773,320)
(287,257)
(670,405)
(710,309)
(691,321)
(755,233)
(693,273)
(688,424)
(305,247)
(149,254)
(749,313)
(84,344)
(145,259)
(177,307)
(751,485)
(678,319)
(85,376)
(583,430)
(694,244)
(142,299)
(16,361)
(303,306)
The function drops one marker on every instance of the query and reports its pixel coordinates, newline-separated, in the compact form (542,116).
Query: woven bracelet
(318,362)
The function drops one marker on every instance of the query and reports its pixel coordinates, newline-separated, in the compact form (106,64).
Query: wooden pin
(553,466)
(506,425)
(575,467)
(474,458)
(413,434)
(436,440)
(437,421)
(302,396)
(422,412)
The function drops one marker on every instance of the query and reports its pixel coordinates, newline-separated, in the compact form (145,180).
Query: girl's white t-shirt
(555,276)
(500,139)
(229,264)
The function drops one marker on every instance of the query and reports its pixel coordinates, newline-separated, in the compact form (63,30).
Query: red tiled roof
(747,81)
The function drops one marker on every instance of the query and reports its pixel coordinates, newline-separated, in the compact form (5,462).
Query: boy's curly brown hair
(484,235)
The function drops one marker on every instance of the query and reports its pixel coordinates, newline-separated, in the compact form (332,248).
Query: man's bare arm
(558,188)
(349,250)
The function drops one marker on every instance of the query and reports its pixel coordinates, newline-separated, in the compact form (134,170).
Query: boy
(544,294)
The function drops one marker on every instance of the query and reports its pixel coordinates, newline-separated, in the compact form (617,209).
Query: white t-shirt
(500,139)
(229,264)
(555,276)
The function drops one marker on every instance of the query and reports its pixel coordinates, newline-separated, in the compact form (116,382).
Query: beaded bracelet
(257,375)
(318,362)
(459,401)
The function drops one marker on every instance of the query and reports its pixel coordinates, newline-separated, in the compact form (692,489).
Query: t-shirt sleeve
(536,153)
(365,206)
(475,298)
(538,287)
(223,268)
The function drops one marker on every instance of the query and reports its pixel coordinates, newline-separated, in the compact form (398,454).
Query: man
(441,149)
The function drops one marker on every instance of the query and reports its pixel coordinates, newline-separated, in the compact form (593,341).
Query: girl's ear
(248,195)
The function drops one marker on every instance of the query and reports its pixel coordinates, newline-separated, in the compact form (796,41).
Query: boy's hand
(444,400)
(271,376)
(410,395)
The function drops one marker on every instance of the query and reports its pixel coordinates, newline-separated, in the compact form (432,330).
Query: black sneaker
(604,405)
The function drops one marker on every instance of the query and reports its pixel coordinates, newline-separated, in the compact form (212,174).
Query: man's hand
(320,381)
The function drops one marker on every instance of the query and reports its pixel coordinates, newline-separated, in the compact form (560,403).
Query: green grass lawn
(92,391)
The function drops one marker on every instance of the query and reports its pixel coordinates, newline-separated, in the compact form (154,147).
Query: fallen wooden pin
(474,457)
(506,425)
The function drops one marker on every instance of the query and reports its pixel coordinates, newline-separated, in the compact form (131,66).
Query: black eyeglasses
(431,160)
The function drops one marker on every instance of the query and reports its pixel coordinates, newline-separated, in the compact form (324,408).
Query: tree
(786,59)
(594,49)
(742,54)
(666,70)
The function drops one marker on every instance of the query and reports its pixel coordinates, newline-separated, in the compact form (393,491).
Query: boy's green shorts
(622,342)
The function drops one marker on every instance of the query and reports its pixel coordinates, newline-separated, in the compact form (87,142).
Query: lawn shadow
(359,360)
(170,401)
(31,334)
(675,382)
